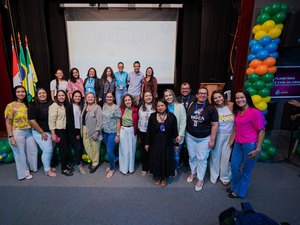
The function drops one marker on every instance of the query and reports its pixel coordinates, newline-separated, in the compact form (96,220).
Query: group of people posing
(84,113)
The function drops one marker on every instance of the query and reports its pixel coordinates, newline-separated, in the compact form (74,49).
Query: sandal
(107,169)
(82,170)
(144,173)
(157,182)
(229,190)
(225,183)
(163,183)
(110,174)
(233,195)
(50,173)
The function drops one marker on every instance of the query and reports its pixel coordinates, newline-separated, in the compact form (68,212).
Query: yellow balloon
(268,25)
(0,157)
(261,106)
(256,28)
(280,26)
(259,34)
(266,99)
(256,99)
(89,161)
(274,32)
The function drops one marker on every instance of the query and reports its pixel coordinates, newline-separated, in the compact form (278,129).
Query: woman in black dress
(160,142)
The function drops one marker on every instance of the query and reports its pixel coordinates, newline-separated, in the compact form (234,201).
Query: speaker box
(286,122)
(291,33)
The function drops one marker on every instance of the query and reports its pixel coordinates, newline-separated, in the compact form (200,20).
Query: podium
(212,87)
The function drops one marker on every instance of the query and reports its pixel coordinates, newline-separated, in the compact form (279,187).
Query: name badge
(195,123)
(121,87)
(162,128)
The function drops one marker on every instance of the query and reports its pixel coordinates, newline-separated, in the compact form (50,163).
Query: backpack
(247,216)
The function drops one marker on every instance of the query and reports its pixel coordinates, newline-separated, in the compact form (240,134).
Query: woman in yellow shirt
(19,134)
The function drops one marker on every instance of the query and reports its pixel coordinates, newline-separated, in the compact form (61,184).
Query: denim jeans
(25,153)
(119,95)
(46,147)
(177,157)
(241,176)
(109,140)
(198,153)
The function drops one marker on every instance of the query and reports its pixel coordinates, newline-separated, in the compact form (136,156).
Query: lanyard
(187,101)
(201,109)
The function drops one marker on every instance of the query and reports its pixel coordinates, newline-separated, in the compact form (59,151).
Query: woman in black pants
(57,126)
(73,111)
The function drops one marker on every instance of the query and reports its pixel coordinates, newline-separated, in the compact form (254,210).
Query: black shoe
(93,169)
(71,168)
(90,166)
(233,195)
(67,172)
(229,190)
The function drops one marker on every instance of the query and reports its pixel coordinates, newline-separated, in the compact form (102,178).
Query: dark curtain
(205,48)
(5,80)
(243,35)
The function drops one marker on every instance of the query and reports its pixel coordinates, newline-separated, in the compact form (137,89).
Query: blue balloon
(265,112)
(256,48)
(265,122)
(262,54)
(276,40)
(274,55)
(272,47)
(253,42)
(251,57)
(265,40)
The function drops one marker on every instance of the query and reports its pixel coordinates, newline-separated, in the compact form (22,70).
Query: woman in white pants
(202,127)
(219,156)
(128,131)
(19,134)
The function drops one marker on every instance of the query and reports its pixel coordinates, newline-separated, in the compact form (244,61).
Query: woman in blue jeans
(38,119)
(111,130)
(249,135)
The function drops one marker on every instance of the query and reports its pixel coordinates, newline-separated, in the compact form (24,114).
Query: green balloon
(264,92)
(106,157)
(263,18)
(268,77)
(253,77)
(9,158)
(247,84)
(258,85)
(274,8)
(264,146)
(263,156)
(271,151)
(279,17)
(5,147)
(265,9)
(251,91)
(284,6)
(267,141)
(270,85)
(138,155)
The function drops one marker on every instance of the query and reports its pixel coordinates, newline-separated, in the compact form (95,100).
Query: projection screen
(100,38)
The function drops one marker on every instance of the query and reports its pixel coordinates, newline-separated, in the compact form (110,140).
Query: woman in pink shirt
(249,135)
(75,83)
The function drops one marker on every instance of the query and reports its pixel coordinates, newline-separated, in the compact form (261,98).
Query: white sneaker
(29,177)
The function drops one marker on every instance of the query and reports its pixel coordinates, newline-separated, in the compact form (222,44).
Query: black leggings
(63,147)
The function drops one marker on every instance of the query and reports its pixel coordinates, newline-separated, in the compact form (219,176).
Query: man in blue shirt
(136,79)
(121,83)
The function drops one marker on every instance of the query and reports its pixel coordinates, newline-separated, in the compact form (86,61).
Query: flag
(23,67)
(15,68)
(31,74)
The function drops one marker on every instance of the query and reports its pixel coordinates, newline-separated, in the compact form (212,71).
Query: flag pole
(12,26)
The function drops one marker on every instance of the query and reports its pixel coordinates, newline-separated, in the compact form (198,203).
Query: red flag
(15,68)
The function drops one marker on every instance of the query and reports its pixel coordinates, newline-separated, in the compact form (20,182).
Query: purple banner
(287,83)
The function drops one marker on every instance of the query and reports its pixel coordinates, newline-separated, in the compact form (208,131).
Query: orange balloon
(250,70)
(262,69)
(255,63)
(269,62)
(272,69)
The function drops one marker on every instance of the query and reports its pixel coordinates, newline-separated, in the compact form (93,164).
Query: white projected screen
(105,43)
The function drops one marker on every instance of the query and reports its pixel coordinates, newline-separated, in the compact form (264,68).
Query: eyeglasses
(202,93)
